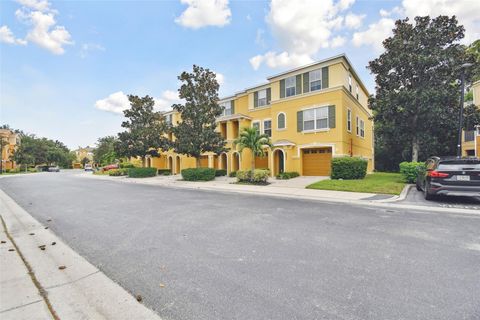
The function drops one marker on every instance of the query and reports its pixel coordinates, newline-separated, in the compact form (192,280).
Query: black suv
(450,176)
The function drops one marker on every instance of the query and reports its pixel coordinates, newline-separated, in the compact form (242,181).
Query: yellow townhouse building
(312,114)
(80,154)
(9,142)
(471,139)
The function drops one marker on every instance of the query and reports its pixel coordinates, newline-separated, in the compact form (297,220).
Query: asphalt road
(209,255)
(416,197)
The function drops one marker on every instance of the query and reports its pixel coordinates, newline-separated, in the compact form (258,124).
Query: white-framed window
(267,127)
(360,127)
(350,82)
(349,120)
(315,78)
(315,119)
(256,125)
(262,98)
(281,121)
(168,118)
(227,108)
(290,85)
(357,91)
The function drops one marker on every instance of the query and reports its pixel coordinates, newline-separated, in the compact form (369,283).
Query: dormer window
(168,118)
(290,84)
(262,98)
(227,108)
(315,78)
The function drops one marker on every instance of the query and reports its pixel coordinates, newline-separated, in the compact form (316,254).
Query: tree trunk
(415,149)
(253,161)
(198,162)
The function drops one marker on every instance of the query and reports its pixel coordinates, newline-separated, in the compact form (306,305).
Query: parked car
(110,167)
(450,176)
(54,169)
(88,167)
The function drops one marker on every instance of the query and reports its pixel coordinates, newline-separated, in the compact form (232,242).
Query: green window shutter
(331,117)
(282,88)
(324,77)
(255,99)
(298,83)
(233,106)
(269,95)
(299,121)
(306,82)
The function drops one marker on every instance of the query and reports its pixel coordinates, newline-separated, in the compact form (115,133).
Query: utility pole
(460,118)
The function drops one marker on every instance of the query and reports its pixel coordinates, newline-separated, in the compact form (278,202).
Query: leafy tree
(84,161)
(417,94)
(145,129)
(35,151)
(251,138)
(473,52)
(196,134)
(104,153)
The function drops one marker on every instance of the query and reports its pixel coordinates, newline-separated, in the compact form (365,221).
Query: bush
(349,168)
(233,174)
(32,170)
(164,172)
(287,175)
(125,165)
(410,170)
(198,174)
(257,176)
(220,172)
(118,172)
(16,170)
(141,172)
(244,176)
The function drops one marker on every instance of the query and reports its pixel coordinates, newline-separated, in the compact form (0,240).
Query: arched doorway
(149,162)
(236,161)
(278,161)
(177,165)
(223,163)
(170,164)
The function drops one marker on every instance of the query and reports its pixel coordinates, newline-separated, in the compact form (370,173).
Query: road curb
(78,291)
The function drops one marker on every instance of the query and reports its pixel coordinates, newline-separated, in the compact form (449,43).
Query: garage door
(317,162)
(204,162)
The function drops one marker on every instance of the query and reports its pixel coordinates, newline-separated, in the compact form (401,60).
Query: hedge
(164,172)
(349,168)
(124,165)
(141,172)
(257,176)
(118,172)
(410,170)
(287,175)
(220,172)
(233,174)
(198,174)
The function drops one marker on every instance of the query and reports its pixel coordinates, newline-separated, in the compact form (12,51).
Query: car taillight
(436,174)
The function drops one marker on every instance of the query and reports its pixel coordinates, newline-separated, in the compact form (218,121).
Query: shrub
(287,175)
(198,174)
(220,172)
(118,172)
(257,176)
(410,170)
(16,170)
(349,168)
(124,165)
(164,172)
(141,172)
(32,170)
(244,176)
(233,174)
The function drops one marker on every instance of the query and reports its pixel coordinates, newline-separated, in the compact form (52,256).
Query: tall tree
(417,94)
(145,129)
(473,51)
(251,138)
(104,153)
(35,151)
(196,134)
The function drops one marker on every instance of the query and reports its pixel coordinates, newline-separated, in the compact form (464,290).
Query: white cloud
(303,28)
(90,47)
(202,13)
(220,78)
(118,101)
(354,21)
(39,5)
(375,34)
(7,36)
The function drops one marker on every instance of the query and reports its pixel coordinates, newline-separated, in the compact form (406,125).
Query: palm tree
(251,138)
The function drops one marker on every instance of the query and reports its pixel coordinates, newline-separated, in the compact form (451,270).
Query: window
(315,119)
(256,125)
(360,127)
(356,91)
(290,84)
(349,120)
(168,119)
(227,108)
(267,127)
(262,98)
(315,78)
(281,121)
(350,82)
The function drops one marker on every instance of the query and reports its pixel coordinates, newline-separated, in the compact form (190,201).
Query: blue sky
(65,66)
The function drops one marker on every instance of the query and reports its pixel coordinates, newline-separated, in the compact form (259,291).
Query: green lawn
(380,182)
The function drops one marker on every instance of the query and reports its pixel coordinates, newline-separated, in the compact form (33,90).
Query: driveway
(211,255)
(416,198)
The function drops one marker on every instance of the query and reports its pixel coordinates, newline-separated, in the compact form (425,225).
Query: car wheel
(419,188)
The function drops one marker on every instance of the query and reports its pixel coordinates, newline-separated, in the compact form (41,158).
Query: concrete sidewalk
(34,284)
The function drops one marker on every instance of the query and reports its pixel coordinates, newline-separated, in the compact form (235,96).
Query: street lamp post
(460,120)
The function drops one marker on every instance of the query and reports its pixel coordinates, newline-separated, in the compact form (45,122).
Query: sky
(67,66)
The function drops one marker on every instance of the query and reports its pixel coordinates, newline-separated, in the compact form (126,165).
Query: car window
(459,166)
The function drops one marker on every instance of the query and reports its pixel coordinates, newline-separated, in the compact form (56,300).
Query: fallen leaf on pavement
(3,241)
(11,249)
(62,267)
(162,285)
(32,234)
(54,243)
(46,227)
(139,298)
